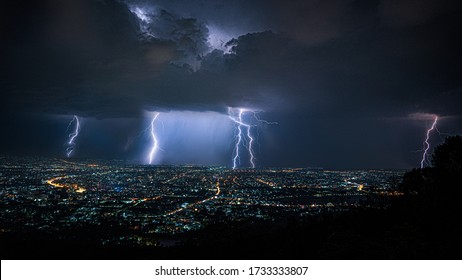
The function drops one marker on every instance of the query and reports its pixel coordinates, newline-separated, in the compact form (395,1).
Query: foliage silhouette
(448,156)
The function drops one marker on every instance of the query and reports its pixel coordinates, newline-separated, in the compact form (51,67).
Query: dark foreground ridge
(361,234)
(422,223)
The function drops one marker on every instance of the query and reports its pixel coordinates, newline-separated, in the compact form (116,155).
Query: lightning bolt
(252,157)
(155,144)
(243,133)
(239,136)
(236,149)
(426,144)
(73,135)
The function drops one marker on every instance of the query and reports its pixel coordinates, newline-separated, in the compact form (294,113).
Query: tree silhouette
(448,156)
(417,181)
(445,175)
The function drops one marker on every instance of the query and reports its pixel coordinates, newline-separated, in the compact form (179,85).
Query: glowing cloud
(217,39)
(422,116)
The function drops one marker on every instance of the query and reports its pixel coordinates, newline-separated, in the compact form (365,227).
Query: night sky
(351,84)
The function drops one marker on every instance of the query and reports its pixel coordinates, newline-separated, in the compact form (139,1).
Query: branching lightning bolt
(73,135)
(427,144)
(239,136)
(155,144)
(241,124)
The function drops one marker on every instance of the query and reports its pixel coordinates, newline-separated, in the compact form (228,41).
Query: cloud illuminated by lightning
(73,135)
(145,16)
(427,144)
(155,144)
(217,39)
(237,115)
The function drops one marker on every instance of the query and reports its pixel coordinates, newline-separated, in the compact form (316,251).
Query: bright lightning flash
(243,133)
(73,135)
(238,120)
(155,144)
(427,144)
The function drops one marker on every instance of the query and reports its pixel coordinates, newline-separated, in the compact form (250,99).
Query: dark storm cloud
(73,56)
(399,13)
(96,58)
(314,22)
(91,58)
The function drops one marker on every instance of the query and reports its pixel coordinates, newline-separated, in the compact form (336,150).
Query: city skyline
(157,206)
